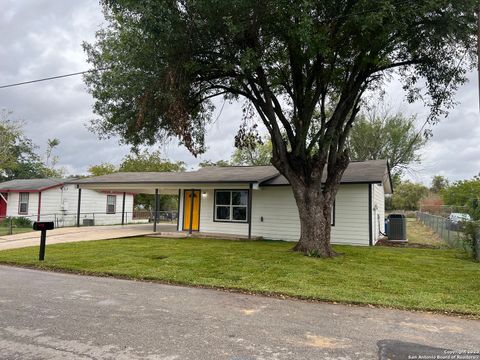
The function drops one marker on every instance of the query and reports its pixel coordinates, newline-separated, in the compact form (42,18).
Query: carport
(124,185)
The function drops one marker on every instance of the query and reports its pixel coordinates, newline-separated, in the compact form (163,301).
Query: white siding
(280,215)
(378,211)
(59,204)
(94,206)
(12,206)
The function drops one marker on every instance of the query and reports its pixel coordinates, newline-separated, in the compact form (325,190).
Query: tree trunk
(314,209)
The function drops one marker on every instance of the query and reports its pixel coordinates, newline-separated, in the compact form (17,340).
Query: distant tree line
(19,157)
(143,161)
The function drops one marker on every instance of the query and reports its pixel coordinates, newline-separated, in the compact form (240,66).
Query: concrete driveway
(88,233)
(47,315)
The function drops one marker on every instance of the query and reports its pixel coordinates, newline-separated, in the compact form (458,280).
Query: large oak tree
(164,61)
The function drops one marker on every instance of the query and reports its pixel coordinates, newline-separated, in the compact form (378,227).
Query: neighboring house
(256,201)
(54,200)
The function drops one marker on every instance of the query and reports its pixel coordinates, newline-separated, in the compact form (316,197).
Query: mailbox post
(43,226)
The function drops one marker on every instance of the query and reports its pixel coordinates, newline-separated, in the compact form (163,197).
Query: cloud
(453,150)
(43,38)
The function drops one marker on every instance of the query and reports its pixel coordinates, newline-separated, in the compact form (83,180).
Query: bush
(471,238)
(10,223)
(22,222)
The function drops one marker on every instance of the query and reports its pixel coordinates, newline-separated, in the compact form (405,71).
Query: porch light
(204,194)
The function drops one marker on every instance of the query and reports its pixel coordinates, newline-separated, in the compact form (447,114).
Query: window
(231,205)
(23,203)
(111,203)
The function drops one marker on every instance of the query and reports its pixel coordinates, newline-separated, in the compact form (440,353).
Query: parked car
(456,220)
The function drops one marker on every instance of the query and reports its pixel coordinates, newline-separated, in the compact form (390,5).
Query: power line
(50,78)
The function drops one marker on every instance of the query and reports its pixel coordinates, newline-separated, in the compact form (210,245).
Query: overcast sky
(42,38)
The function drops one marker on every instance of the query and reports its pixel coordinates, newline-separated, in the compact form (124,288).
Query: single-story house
(257,201)
(55,200)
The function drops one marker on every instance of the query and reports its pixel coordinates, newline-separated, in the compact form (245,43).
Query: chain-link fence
(452,232)
(20,224)
(12,226)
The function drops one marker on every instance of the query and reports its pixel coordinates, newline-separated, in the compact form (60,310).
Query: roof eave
(137,182)
(341,183)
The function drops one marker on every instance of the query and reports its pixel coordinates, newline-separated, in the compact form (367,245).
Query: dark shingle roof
(374,171)
(231,174)
(30,184)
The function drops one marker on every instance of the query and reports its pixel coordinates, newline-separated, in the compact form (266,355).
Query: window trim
(20,203)
(114,205)
(246,221)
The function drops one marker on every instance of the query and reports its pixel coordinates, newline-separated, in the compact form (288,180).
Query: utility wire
(366,11)
(50,78)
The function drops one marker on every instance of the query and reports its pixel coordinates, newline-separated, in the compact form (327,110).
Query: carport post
(155,216)
(190,226)
(78,205)
(123,209)
(250,189)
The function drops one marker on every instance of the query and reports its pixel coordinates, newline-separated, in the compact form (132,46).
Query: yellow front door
(190,212)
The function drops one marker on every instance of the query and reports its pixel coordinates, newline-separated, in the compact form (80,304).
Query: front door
(191,210)
(3,206)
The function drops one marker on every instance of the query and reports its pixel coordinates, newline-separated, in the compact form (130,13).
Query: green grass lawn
(428,279)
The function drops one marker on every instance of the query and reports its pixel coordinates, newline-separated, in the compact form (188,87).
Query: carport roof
(374,171)
(230,174)
(30,184)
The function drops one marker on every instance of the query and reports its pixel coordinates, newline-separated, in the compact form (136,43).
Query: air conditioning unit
(88,222)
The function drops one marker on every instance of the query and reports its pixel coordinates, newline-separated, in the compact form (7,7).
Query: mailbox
(43,225)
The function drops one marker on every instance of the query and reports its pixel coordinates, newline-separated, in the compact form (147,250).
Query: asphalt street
(46,315)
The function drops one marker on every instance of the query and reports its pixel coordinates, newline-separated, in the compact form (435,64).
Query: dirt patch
(405,244)
(324,342)
(158,257)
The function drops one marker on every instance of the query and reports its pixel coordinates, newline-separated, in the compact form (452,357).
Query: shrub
(22,222)
(471,238)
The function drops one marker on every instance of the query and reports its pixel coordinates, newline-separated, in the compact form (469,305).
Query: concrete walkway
(46,315)
(72,234)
